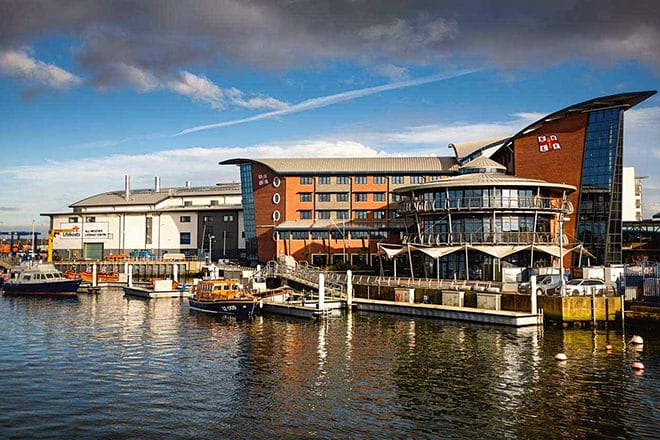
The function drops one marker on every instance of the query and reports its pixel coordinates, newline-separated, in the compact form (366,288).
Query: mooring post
(321,291)
(175,272)
(532,285)
(349,289)
(130,275)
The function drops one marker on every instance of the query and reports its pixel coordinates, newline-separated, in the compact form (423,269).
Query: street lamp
(562,219)
(211,238)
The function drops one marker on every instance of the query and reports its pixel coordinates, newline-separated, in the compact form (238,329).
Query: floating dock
(307,311)
(482,316)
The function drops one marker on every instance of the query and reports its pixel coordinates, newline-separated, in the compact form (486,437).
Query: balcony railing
(459,238)
(481,203)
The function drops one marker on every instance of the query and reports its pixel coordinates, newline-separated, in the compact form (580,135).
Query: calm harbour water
(108,366)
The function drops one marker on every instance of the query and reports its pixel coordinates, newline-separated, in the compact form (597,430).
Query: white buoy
(637,340)
(637,367)
(561,357)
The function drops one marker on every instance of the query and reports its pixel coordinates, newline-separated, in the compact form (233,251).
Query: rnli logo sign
(263,179)
(548,143)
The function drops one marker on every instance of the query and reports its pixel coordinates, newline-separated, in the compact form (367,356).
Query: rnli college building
(505,201)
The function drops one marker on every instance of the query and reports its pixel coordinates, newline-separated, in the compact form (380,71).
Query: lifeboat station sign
(548,143)
(89,231)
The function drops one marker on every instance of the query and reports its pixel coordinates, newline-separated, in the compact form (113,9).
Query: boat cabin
(220,289)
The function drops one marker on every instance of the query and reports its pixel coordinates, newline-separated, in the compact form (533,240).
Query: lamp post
(562,281)
(211,238)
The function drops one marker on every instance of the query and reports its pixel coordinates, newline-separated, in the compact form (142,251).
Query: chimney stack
(187,184)
(127,187)
(157,184)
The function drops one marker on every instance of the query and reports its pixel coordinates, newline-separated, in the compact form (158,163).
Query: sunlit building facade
(574,155)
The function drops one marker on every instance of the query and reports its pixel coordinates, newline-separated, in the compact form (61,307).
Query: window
(324,180)
(379,197)
(379,180)
(342,215)
(209,219)
(90,219)
(276,182)
(276,198)
(416,179)
(300,235)
(343,180)
(360,197)
(361,180)
(324,215)
(305,180)
(379,215)
(73,219)
(359,234)
(305,197)
(324,197)
(187,203)
(228,218)
(184,219)
(184,238)
(318,235)
(276,215)
(362,215)
(397,179)
(342,197)
(305,215)
(215,202)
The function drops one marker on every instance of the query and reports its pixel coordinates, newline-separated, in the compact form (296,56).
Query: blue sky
(98,90)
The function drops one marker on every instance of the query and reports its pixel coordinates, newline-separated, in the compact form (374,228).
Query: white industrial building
(631,200)
(148,223)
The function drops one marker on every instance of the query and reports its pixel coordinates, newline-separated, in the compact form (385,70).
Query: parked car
(545,285)
(584,286)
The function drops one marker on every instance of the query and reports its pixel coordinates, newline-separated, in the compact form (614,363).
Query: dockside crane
(51,236)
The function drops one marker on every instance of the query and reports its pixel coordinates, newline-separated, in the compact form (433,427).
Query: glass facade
(599,208)
(248,213)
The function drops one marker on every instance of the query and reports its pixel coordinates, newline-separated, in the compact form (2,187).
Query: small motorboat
(39,279)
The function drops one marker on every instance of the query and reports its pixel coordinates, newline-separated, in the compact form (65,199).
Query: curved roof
(354,165)
(626,100)
(152,197)
(485,180)
(482,162)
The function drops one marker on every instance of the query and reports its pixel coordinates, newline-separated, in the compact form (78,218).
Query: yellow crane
(51,236)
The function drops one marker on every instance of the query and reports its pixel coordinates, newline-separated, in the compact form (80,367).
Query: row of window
(343,197)
(186,237)
(362,180)
(336,235)
(344,214)
(207,219)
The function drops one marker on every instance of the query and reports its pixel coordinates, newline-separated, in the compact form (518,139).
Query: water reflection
(104,365)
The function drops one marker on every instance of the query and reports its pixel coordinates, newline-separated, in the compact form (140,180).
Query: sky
(92,91)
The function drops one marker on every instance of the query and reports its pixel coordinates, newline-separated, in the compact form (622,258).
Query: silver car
(584,286)
(545,284)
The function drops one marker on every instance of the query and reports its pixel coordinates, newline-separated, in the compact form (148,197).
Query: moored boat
(39,279)
(157,289)
(101,277)
(223,297)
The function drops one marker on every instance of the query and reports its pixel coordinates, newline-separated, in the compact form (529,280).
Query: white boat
(158,289)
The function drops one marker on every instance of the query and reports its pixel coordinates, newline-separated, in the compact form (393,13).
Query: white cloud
(37,75)
(53,186)
(198,88)
(139,78)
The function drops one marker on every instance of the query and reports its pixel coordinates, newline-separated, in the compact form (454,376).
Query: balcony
(490,238)
(484,203)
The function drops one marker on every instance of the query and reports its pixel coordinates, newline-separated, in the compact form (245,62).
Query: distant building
(151,222)
(632,196)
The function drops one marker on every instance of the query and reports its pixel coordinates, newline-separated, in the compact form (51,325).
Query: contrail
(330,99)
